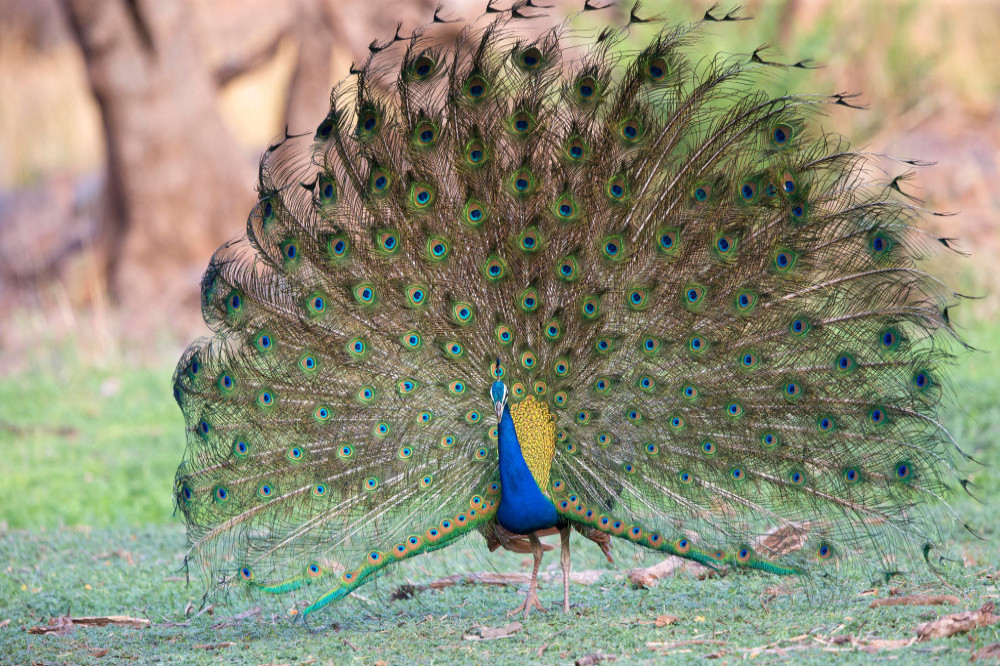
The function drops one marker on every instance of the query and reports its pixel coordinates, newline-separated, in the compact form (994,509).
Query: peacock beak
(499,409)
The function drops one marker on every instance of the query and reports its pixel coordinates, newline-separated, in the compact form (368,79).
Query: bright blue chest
(523,507)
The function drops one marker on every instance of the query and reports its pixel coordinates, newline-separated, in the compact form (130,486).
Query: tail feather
(726,312)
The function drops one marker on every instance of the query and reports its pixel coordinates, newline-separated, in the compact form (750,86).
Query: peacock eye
(426,133)
(781,136)
(725,245)
(423,67)
(325,129)
(575,149)
(475,88)
(656,70)
(631,130)
(531,58)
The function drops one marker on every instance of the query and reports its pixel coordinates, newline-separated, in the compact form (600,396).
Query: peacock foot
(530,601)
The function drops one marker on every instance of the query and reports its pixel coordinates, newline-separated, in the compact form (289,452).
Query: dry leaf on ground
(957,623)
(60,626)
(647,577)
(988,652)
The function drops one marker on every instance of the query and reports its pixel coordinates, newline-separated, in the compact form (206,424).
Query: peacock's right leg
(564,560)
(531,600)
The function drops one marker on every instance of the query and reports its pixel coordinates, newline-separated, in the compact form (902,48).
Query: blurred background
(129,137)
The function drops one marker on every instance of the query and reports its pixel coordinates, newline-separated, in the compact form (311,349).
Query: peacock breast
(536,433)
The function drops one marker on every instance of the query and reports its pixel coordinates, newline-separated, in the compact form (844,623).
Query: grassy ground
(87,530)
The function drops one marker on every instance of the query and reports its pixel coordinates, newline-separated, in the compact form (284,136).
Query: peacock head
(499,395)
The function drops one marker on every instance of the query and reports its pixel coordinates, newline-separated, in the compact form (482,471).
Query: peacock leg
(564,560)
(531,600)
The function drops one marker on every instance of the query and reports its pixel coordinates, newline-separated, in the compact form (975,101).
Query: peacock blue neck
(523,507)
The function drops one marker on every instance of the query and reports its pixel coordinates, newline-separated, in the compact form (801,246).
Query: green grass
(88,447)
(51,571)
(89,457)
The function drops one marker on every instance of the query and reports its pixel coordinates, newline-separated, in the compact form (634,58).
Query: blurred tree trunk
(317,26)
(177,183)
(308,99)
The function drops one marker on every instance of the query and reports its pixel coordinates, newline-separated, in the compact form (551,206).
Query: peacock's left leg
(564,560)
(531,600)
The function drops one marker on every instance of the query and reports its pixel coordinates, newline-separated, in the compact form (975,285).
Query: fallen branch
(544,646)
(213,646)
(490,633)
(117,620)
(916,600)
(236,619)
(662,645)
(588,577)
(63,625)
(863,643)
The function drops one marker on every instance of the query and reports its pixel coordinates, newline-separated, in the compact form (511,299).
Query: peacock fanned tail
(720,307)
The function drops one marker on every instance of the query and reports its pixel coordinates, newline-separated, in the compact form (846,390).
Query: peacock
(699,321)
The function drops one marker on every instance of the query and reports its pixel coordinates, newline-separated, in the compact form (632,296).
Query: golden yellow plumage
(536,431)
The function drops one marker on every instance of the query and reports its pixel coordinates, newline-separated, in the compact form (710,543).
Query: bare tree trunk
(308,98)
(177,184)
(319,26)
